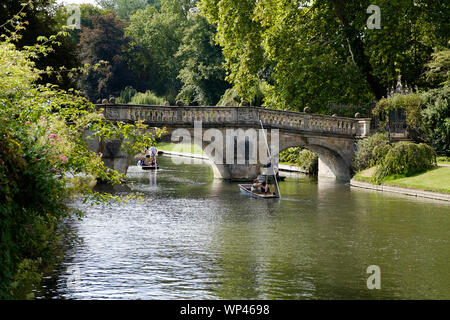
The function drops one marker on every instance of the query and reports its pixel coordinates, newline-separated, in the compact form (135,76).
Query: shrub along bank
(303,158)
(402,164)
(42,143)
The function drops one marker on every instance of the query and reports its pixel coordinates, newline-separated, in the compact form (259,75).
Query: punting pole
(270,157)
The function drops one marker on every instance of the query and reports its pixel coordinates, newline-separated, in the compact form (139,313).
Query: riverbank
(433,184)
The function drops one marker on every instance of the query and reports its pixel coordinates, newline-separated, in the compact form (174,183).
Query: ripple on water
(201,239)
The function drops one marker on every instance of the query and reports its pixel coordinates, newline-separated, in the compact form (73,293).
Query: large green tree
(105,42)
(157,36)
(311,52)
(202,73)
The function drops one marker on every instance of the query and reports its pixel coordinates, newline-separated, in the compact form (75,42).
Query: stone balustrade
(238,117)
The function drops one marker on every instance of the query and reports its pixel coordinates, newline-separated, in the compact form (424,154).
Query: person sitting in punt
(255,186)
(265,187)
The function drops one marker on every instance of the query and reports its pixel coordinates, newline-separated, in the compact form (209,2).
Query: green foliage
(229,98)
(148,98)
(435,120)
(403,158)
(410,103)
(126,95)
(42,145)
(444,159)
(157,36)
(257,95)
(367,151)
(290,155)
(439,67)
(202,72)
(305,159)
(30,206)
(312,52)
(26,21)
(106,44)
(241,42)
(123,8)
(427,116)
(378,154)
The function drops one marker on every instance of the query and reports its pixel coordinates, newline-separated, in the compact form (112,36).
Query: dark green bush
(364,155)
(380,152)
(436,120)
(403,158)
(308,161)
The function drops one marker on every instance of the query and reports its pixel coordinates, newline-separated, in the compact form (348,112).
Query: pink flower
(101,115)
(63,158)
(28,122)
(42,118)
(52,169)
(52,136)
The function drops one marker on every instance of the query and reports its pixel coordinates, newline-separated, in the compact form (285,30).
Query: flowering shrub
(42,147)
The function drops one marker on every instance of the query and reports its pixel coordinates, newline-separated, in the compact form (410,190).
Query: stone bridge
(331,138)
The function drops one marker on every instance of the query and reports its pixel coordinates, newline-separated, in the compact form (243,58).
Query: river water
(193,237)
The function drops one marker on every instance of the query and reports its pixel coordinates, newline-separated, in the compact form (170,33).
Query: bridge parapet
(238,117)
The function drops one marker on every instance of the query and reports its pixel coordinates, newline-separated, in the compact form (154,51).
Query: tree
(105,42)
(126,8)
(41,19)
(311,52)
(157,36)
(435,120)
(246,60)
(202,73)
(44,160)
(438,69)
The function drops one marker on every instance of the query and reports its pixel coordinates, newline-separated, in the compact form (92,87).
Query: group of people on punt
(263,186)
(149,157)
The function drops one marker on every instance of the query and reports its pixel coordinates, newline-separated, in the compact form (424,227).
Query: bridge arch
(335,154)
(331,138)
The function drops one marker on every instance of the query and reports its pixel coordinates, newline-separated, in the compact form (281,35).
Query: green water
(199,238)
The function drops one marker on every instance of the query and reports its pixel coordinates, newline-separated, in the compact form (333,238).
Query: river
(194,237)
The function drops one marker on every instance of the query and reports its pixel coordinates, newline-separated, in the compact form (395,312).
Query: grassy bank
(443,160)
(436,180)
(180,147)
